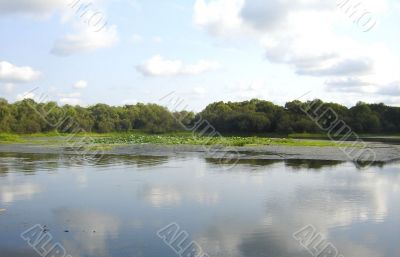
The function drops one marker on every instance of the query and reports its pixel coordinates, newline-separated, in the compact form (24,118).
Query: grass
(9,138)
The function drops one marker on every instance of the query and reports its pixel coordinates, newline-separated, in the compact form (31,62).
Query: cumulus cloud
(158,66)
(265,14)
(302,35)
(92,34)
(269,15)
(347,84)
(226,16)
(219,17)
(85,41)
(15,74)
(81,84)
(345,67)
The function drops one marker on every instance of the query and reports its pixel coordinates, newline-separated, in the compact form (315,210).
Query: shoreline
(384,152)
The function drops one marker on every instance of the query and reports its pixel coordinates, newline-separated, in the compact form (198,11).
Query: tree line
(254,116)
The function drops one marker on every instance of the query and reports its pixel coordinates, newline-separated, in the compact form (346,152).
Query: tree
(6,117)
(104,118)
(254,116)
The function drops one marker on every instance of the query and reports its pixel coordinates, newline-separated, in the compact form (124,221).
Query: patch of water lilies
(181,140)
(203,140)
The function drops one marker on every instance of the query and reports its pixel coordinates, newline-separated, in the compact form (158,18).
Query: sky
(128,51)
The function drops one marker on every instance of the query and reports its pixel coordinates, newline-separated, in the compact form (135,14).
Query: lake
(132,206)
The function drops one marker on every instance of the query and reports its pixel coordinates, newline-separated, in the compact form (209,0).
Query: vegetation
(249,117)
(9,138)
(107,141)
(182,139)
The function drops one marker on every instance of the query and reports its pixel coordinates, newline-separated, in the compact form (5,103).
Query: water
(115,207)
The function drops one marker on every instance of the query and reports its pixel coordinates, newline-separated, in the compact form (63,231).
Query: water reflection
(249,162)
(311,164)
(139,161)
(33,162)
(89,231)
(113,208)
(296,164)
(11,193)
(160,196)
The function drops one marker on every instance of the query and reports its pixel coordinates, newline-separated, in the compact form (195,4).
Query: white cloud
(81,84)
(302,35)
(85,41)
(92,31)
(347,84)
(158,66)
(219,17)
(346,67)
(12,73)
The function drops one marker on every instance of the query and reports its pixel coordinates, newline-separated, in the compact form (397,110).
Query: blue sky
(204,50)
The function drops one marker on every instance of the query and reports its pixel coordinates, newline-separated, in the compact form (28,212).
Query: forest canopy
(254,116)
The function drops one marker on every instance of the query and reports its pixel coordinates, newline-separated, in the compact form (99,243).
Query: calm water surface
(115,207)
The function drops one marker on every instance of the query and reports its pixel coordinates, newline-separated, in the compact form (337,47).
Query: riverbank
(278,150)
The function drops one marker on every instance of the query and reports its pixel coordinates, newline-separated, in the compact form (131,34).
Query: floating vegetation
(203,140)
